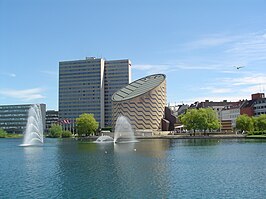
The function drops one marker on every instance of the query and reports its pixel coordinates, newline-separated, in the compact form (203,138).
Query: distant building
(228,112)
(254,107)
(13,118)
(142,101)
(51,118)
(179,109)
(86,86)
(229,115)
(169,120)
(225,111)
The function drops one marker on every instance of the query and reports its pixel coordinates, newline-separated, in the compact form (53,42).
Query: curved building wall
(144,111)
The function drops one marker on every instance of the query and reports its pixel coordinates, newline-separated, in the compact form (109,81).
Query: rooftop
(138,87)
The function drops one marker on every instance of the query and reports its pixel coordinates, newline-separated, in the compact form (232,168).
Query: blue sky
(195,43)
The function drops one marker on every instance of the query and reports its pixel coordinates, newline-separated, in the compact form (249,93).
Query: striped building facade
(143,102)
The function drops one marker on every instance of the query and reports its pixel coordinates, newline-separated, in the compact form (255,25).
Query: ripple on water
(157,169)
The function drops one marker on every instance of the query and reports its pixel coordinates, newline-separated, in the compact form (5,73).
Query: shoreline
(224,136)
(192,137)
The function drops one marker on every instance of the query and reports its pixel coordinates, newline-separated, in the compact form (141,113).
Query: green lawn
(9,135)
(256,136)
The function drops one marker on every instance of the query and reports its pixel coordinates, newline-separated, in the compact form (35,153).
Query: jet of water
(123,130)
(34,129)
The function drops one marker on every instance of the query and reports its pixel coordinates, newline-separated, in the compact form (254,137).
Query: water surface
(183,168)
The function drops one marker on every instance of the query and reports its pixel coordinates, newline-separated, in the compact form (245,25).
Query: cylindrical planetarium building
(142,101)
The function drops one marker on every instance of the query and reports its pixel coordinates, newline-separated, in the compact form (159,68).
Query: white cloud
(229,51)
(147,66)
(167,68)
(210,41)
(254,89)
(9,74)
(243,86)
(25,95)
(152,69)
(234,98)
(215,90)
(251,47)
(50,73)
(12,75)
(253,79)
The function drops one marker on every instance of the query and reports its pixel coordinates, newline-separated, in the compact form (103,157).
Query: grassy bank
(256,136)
(9,135)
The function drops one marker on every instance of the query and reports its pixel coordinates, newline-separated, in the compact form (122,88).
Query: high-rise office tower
(86,86)
(116,74)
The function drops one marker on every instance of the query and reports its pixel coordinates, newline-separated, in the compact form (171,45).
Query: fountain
(34,129)
(104,139)
(123,131)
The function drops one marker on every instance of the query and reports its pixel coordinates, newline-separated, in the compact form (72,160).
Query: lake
(158,168)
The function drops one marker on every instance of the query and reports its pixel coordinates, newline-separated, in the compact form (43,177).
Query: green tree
(212,119)
(200,119)
(194,120)
(66,134)
(55,131)
(86,124)
(260,122)
(3,133)
(188,119)
(244,123)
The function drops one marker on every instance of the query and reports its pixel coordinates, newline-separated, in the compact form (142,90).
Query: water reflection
(112,170)
(147,169)
(37,173)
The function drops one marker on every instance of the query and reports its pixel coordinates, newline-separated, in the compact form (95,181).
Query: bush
(3,133)
(86,124)
(66,134)
(55,131)
(257,133)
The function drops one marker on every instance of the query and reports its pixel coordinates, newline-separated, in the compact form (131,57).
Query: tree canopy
(260,122)
(212,120)
(3,133)
(86,124)
(55,131)
(244,123)
(200,119)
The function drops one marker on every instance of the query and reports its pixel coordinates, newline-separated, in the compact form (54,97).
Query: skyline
(196,44)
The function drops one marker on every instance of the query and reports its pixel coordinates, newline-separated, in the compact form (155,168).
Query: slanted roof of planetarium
(138,87)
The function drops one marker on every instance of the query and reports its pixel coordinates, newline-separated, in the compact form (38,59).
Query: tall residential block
(86,86)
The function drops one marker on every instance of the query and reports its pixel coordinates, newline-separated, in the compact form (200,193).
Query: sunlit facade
(86,86)
(142,102)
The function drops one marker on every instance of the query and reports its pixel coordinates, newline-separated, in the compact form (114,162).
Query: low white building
(230,113)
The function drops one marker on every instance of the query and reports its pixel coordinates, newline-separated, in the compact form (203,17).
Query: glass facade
(51,118)
(13,118)
(86,86)
(116,76)
(79,88)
